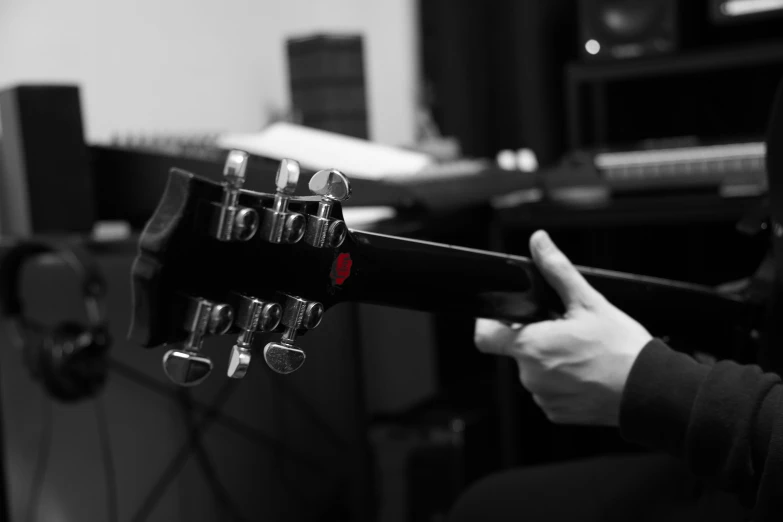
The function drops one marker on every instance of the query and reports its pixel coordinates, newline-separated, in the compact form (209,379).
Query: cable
(309,410)
(205,462)
(313,500)
(44,448)
(278,418)
(110,475)
(253,435)
(182,455)
(211,413)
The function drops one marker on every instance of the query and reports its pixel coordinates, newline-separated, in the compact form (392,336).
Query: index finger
(494,337)
(561,274)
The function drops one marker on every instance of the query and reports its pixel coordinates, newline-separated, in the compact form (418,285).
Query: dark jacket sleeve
(725,420)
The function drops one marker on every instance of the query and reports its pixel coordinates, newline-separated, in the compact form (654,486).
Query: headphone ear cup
(33,341)
(73,362)
(39,350)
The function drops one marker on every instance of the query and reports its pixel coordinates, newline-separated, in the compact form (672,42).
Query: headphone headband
(93,285)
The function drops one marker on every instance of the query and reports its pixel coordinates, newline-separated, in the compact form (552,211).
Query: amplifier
(628,29)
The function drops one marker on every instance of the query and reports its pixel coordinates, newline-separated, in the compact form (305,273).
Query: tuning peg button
(234,168)
(233,222)
(283,358)
(186,368)
(322,231)
(279,225)
(331,184)
(287,177)
(239,362)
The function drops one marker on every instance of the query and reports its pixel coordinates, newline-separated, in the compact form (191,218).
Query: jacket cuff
(658,398)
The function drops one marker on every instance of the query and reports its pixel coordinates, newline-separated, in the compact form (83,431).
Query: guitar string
(584,270)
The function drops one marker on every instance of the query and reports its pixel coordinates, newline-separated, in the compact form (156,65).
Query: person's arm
(595,365)
(725,420)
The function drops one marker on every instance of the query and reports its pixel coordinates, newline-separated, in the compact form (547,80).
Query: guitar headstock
(216,259)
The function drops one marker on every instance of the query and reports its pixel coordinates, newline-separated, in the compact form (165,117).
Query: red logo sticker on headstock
(341,269)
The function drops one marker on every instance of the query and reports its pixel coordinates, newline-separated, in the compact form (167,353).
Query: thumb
(558,271)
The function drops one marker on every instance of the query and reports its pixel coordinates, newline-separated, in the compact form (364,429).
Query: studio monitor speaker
(617,29)
(612,29)
(45,176)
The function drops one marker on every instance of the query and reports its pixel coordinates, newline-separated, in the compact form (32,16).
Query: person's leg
(647,488)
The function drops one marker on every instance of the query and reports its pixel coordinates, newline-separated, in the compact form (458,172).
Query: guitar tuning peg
(279,224)
(284,357)
(286,180)
(232,221)
(332,186)
(234,168)
(254,316)
(186,366)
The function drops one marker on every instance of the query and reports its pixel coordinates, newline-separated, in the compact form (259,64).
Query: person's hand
(576,366)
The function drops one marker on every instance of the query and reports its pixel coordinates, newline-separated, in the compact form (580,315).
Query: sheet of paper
(317,149)
(365,217)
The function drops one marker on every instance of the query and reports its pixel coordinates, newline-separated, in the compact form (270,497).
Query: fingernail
(542,241)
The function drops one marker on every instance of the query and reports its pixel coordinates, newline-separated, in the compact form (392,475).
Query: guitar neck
(441,278)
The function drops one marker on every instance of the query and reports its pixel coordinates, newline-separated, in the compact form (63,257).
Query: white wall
(201,66)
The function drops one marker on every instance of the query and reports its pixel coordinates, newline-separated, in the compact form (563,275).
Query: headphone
(71,358)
